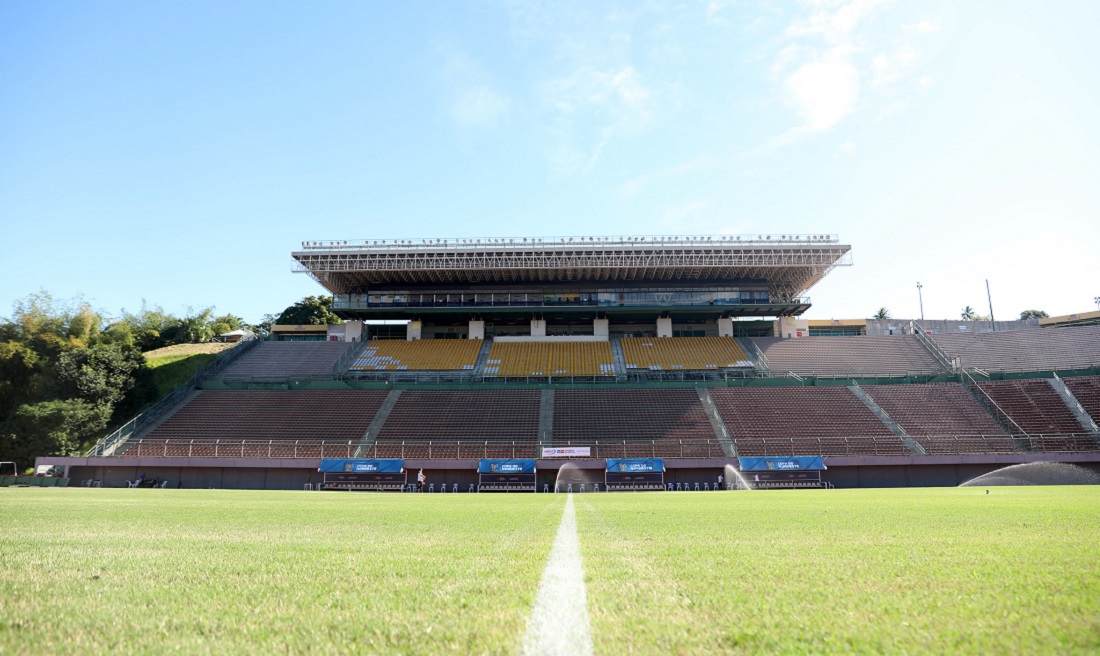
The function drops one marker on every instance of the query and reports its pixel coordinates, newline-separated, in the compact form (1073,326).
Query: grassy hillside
(173,365)
(1015,571)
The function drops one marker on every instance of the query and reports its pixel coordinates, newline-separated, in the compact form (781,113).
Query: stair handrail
(349,355)
(107,445)
(760,357)
(932,347)
(986,398)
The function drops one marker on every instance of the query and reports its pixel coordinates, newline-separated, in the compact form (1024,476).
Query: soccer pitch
(840,571)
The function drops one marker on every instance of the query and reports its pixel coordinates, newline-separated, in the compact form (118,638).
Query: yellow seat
(419,355)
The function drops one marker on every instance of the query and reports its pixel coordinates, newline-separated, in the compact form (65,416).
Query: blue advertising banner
(622,465)
(359,466)
(499,466)
(792,463)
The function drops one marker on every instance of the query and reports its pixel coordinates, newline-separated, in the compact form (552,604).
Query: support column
(725,327)
(664,326)
(477,329)
(412,331)
(353,331)
(538,327)
(599,328)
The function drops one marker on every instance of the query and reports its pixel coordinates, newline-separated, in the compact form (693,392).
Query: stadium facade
(645,352)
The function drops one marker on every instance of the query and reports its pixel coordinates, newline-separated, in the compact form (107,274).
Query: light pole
(992,321)
(920,297)
(1096,299)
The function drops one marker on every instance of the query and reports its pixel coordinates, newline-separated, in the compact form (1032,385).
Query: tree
(311,310)
(19,367)
(1033,314)
(882,313)
(149,326)
(263,327)
(49,428)
(226,324)
(101,375)
(968,314)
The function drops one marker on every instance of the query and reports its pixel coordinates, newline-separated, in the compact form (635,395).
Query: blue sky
(178,152)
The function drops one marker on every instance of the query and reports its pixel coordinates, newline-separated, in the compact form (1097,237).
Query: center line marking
(559,620)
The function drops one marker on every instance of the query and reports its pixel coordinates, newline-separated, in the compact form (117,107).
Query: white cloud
(479,107)
(473,102)
(848,147)
(926,81)
(588,109)
(824,92)
(832,57)
(834,21)
(887,68)
(922,27)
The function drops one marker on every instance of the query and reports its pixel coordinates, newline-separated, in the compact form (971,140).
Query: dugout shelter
(386,474)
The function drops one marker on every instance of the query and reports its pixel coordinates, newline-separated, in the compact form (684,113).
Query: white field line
(559,620)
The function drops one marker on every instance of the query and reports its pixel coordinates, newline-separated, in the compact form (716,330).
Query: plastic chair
(133,483)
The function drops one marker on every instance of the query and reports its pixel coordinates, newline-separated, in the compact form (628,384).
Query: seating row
(830,356)
(286,360)
(942,418)
(550,359)
(1039,349)
(418,355)
(674,353)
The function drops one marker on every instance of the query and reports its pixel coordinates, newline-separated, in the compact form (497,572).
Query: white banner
(566,451)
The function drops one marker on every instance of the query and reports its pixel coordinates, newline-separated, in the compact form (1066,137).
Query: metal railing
(642,448)
(566,242)
(990,405)
(430,449)
(348,357)
(932,347)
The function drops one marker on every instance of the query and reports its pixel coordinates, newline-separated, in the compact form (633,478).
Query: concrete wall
(945,326)
(274,474)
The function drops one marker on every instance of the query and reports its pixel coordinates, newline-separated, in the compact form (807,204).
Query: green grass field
(841,571)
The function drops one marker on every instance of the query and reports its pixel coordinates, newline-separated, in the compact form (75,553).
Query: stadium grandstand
(688,349)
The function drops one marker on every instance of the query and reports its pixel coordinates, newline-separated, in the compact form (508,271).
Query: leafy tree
(101,375)
(54,427)
(311,310)
(149,326)
(882,313)
(65,372)
(19,367)
(968,314)
(50,327)
(1033,314)
(225,324)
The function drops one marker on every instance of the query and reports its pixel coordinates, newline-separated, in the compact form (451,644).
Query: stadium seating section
(674,353)
(799,420)
(451,415)
(830,356)
(1087,391)
(942,418)
(999,416)
(265,416)
(287,360)
(638,422)
(1041,413)
(1042,349)
(419,355)
(550,359)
